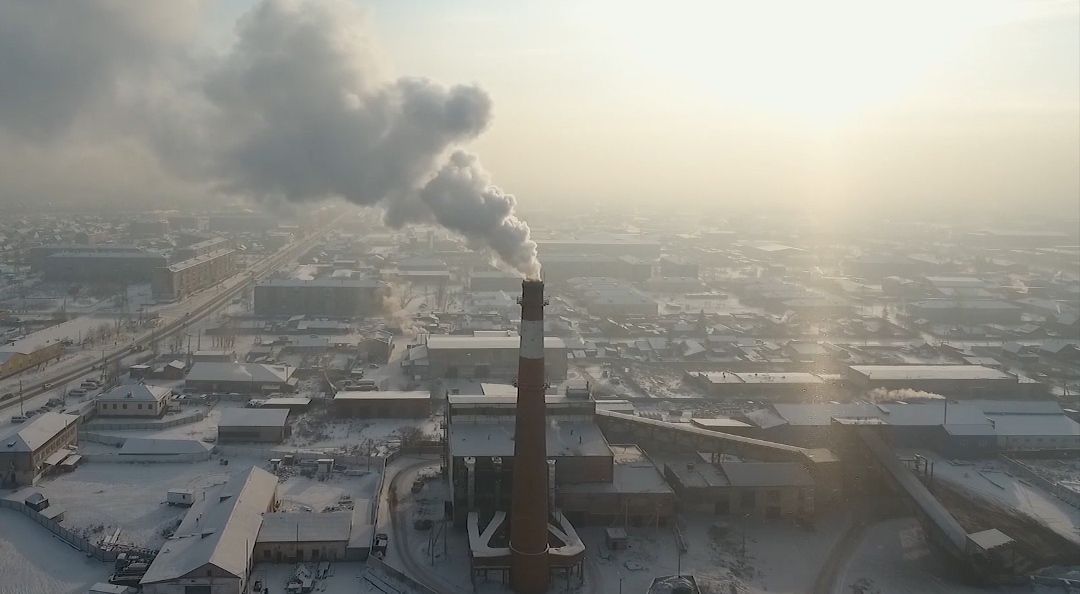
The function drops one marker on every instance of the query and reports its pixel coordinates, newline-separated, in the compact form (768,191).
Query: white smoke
(297,108)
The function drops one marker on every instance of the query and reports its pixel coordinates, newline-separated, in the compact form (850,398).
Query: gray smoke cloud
(299,107)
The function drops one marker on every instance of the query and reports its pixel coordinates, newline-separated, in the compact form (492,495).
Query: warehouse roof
(220,529)
(253,417)
(929,372)
(210,371)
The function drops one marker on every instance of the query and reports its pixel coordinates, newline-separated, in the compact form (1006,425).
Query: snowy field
(992,480)
(33,561)
(100,497)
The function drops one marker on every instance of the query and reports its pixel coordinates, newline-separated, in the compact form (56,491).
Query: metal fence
(159,424)
(1057,489)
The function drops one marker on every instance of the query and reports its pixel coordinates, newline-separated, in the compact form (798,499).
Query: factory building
(343,298)
(954,381)
(482,357)
(968,428)
(133,400)
(212,551)
(965,312)
(298,537)
(762,489)
(609,297)
(102,266)
(594,482)
(201,248)
(28,450)
(375,404)
(28,352)
(39,254)
(241,378)
(183,278)
(785,385)
(265,425)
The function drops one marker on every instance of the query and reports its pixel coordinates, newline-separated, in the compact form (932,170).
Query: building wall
(292,552)
(251,434)
(617,509)
(220,583)
(22,361)
(185,278)
(241,387)
(130,408)
(91,268)
(762,502)
(390,408)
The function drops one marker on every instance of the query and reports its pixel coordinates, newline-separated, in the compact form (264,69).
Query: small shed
(36,501)
(615,538)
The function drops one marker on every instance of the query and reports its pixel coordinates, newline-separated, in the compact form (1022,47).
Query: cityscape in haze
(399,297)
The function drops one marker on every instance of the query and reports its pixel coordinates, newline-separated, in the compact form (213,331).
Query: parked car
(19,419)
(46,386)
(77,392)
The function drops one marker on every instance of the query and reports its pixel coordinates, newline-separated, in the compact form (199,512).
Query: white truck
(182,497)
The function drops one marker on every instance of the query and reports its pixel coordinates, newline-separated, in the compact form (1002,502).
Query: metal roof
(220,529)
(211,371)
(253,417)
(305,527)
(382,395)
(136,392)
(447,342)
(929,372)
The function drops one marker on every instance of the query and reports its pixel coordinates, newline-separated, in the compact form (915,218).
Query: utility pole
(21,413)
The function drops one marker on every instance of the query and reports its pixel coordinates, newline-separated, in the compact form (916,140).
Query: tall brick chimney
(529,506)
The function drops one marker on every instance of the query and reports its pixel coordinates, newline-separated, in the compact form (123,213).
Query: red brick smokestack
(529,508)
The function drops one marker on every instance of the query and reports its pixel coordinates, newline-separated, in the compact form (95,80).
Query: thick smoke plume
(297,108)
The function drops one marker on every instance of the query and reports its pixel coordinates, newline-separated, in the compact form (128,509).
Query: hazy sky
(828,106)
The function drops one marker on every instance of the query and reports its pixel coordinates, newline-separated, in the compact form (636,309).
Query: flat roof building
(382,403)
(253,424)
(483,357)
(241,378)
(966,381)
(344,298)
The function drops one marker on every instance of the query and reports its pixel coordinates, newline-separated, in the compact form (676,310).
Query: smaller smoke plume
(462,198)
(883,395)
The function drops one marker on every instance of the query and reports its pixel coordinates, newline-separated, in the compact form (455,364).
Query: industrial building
(297,537)
(27,450)
(31,351)
(382,404)
(343,298)
(241,378)
(609,297)
(967,428)
(482,357)
(102,266)
(183,278)
(786,385)
(609,247)
(954,381)
(39,254)
(966,312)
(762,489)
(266,425)
(212,549)
(133,400)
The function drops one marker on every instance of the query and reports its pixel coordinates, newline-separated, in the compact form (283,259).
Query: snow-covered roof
(495,437)
(220,529)
(210,371)
(448,342)
(766,474)
(136,392)
(929,372)
(36,433)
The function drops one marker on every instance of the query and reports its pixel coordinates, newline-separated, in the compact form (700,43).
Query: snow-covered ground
(893,556)
(33,561)
(993,481)
(345,578)
(99,497)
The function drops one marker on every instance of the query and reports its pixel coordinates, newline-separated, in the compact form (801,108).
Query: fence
(159,424)
(109,440)
(1058,490)
(74,540)
(115,458)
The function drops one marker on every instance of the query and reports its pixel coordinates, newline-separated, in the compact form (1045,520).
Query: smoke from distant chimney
(297,108)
